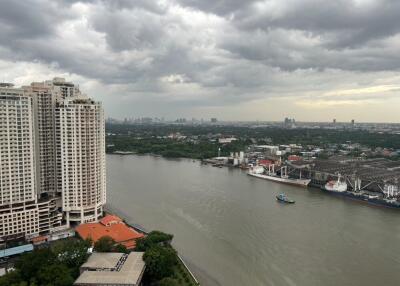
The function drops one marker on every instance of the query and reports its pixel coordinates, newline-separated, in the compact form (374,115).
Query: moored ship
(260,172)
(339,187)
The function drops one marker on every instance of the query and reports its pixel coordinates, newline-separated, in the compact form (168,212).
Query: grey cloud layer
(230,50)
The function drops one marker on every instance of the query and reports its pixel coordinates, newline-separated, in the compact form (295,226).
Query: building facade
(80,146)
(18,209)
(43,103)
(52,158)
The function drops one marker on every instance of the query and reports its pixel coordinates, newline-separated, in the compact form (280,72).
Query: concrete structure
(19,213)
(44,126)
(16,250)
(69,136)
(52,158)
(112,269)
(80,145)
(226,140)
(267,149)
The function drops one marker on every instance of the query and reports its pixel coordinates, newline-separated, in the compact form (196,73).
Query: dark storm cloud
(342,23)
(28,19)
(233,50)
(220,7)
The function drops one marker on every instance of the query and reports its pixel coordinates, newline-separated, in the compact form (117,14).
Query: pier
(376,175)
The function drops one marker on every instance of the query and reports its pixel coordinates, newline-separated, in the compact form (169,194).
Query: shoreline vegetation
(167,268)
(169,148)
(203,142)
(58,263)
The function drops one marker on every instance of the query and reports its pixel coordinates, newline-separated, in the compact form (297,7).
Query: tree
(57,265)
(55,275)
(72,253)
(168,282)
(121,248)
(29,264)
(11,278)
(154,237)
(160,261)
(104,244)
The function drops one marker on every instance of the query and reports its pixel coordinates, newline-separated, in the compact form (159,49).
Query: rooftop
(112,269)
(110,219)
(111,226)
(102,260)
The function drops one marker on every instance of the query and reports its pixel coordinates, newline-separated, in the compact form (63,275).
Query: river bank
(112,210)
(231,227)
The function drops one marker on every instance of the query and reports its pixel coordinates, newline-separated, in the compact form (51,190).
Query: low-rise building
(105,269)
(111,226)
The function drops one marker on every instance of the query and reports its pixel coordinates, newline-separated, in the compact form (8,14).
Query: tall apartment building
(18,209)
(44,103)
(80,149)
(52,158)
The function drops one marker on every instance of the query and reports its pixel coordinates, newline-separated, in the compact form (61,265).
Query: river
(231,230)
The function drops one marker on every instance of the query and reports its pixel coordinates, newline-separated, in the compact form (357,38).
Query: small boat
(283,198)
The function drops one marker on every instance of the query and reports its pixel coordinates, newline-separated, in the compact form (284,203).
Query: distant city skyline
(311,60)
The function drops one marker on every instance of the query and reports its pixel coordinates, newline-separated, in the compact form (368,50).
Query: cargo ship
(339,187)
(260,172)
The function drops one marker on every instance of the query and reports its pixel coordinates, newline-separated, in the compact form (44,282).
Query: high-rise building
(44,103)
(18,209)
(52,158)
(80,160)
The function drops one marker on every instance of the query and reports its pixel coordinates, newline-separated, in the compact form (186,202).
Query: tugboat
(284,199)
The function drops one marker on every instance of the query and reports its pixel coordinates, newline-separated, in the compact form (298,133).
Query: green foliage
(150,138)
(12,278)
(31,263)
(55,275)
(160,261)
(121,248)
(153,238)
(104,244)
(167,281)
(72,253)
(54,266)
(107,244)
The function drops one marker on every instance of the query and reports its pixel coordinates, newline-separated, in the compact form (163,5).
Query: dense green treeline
(163,267)
(277,135)
(57,265)
(173,149)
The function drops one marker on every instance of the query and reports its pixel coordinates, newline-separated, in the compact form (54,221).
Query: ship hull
(364,199)
(284,201)
(296,182)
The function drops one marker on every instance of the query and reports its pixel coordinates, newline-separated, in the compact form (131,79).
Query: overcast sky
(230,59)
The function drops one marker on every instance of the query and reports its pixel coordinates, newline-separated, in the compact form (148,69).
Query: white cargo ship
(338,186)
(259,172)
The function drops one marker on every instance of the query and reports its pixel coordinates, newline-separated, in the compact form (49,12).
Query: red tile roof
(39,239)
(120,232)
(110,219)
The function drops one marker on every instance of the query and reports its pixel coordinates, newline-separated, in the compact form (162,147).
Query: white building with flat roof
(119,269)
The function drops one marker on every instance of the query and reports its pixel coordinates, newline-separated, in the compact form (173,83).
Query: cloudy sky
(231,59)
